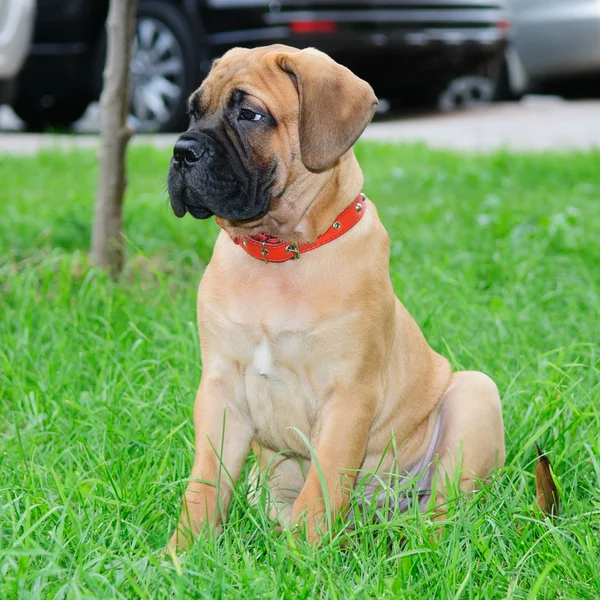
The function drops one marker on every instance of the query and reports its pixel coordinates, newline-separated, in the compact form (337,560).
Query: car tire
(42,113)
(161,82)
(466,91)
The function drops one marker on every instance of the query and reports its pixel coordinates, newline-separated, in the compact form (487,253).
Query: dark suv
(407,49)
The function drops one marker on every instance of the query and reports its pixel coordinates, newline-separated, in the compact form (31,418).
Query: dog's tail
(547,497)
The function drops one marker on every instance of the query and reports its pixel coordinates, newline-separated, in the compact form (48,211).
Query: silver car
(551,40)
(16,29)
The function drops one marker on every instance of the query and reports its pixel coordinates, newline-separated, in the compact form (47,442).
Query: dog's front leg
(339,444)
(222,440)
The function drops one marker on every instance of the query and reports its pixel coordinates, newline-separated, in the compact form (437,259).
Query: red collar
(271,249)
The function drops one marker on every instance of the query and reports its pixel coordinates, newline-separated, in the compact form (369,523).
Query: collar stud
(264,252)
(293,248)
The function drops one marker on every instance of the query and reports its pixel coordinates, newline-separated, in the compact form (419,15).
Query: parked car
(555,45)
(16,29)
(405,48)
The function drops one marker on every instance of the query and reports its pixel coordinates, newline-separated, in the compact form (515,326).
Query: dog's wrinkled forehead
(254,72)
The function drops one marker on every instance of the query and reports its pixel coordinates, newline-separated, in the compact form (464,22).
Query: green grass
(498,260)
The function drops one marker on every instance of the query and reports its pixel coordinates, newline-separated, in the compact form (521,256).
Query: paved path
(535,124)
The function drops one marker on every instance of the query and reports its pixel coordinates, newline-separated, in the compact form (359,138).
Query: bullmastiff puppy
(309,359)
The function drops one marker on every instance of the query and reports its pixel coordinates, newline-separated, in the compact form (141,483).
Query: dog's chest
(282,390)
(282,379)
(283,344)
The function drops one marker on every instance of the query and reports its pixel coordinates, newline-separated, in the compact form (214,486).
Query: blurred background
(421,56)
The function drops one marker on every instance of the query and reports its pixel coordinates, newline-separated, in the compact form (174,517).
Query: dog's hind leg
(471,443)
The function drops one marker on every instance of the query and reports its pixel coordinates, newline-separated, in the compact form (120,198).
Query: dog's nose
(187,151)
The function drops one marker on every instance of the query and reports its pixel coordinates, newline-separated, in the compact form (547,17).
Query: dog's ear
(335,106)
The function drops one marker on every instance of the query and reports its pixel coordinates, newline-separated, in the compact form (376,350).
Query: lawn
(497,258)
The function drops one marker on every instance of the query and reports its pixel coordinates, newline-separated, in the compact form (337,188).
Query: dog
(309,359)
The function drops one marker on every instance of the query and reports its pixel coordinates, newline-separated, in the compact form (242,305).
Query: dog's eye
(249,115)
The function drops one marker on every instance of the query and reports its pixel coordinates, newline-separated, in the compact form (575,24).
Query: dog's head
(263,121)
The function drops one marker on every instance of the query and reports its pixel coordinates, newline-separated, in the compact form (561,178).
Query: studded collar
(268,248)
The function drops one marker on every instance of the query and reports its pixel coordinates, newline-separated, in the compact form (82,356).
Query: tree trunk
(107,233)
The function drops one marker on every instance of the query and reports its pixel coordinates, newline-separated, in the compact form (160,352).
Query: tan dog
(318,345)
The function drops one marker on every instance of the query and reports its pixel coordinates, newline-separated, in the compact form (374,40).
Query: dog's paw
(310,525)
(181,541)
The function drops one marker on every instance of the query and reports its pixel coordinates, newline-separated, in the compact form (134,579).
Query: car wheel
(466,91)
(46,112)
(163,68)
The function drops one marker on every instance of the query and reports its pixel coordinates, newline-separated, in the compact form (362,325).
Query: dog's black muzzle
(207,177)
